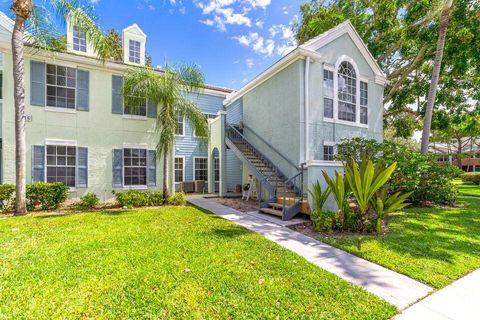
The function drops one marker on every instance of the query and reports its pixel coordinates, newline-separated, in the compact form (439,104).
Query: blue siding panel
(190,146)
(235,112)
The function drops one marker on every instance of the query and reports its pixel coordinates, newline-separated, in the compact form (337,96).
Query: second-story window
(135,107)
(327,94)
(180,127)
(134,51)
(61,84)
(363,102)
(79,40)
(347,92)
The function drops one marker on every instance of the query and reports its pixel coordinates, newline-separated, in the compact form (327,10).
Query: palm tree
(41,33)
(168,90)
(445,9)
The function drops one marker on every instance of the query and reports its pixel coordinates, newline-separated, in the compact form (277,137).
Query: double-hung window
(134,51)
(179,169)
(61,164)
(61,86)
(328,94)
(79,40)
(135,167)
(347,92)
(180,125)
(201,169)
(135,106)
(363,102)
(328,152)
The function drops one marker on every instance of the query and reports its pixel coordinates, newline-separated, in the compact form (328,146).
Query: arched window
(347,92)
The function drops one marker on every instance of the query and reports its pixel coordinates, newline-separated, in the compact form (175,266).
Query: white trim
(59,109)
(181,135)
(60,142)
(323,163)
(307,110)
(183,168)
(298,53)
(135,146)
(193,177)
(135,117)
(142,187)
(134,26)
(347,123)
(328,143)
(336,32)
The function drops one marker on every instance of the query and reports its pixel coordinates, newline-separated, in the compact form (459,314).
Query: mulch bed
(237,204)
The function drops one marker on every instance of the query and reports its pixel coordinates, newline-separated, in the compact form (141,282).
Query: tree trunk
(19,96)
(459,153)
(427,122)
(165,176)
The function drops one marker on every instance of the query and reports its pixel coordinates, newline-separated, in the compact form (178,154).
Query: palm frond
(191,77)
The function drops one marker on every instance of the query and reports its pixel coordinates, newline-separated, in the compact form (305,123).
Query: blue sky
(231,40)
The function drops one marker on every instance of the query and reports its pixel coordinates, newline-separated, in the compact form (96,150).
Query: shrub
(323,220)
(88,201)
(7,197)
(177,199)
(137,198)
(471,177)
(49,196)
(427,180)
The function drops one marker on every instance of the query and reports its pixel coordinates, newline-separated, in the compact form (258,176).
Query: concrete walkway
(397,289)
(459,300)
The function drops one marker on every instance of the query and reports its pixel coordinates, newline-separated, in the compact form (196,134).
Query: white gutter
(307,109)
(298,53)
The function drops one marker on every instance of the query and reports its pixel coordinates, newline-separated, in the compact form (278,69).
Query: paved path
(393,287)
(459,300)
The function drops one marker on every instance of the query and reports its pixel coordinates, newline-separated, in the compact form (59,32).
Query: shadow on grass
(229,232)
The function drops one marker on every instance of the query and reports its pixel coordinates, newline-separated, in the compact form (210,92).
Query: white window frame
(183,169)
(183,127)
(359,77)
(64,143)
(134,146)
(139,51)
(194,167)
(73,39)
(329,144)
(60,109)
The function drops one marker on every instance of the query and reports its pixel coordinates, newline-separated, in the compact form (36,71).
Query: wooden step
(271,211)
(276,205)
(304,206)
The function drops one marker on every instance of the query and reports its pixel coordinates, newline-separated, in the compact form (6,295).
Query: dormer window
(134,51)
(79,40)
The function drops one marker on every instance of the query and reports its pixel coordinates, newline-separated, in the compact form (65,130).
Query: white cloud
(94,2)
(259,24)
(249,62)
(285,10)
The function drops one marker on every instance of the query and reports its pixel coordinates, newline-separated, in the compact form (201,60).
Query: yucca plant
(383,203)
(319,196)
(321,220)
(365,180)
(339,190)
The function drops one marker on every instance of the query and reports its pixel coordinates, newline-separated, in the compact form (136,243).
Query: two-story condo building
(281,128)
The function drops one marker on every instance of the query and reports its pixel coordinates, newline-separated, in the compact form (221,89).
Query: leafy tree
(168,91)
(113,48)
(33,23)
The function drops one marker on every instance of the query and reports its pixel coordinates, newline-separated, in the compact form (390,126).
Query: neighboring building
(284,125)
(448,153)
(78,130)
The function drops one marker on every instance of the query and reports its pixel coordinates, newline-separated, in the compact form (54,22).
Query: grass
(178,263)
(433,245)
(468,189)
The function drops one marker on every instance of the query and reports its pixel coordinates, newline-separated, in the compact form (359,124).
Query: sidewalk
(395,288)
(459,300)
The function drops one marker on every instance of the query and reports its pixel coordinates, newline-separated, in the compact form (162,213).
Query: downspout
(307,110)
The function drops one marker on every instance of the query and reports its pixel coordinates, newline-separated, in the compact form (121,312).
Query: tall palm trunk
(427,122)
(165,175)
(22,10)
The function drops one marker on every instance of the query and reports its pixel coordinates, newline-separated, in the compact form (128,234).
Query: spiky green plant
(339,189)
(168,90)
(319,196)
(383,203)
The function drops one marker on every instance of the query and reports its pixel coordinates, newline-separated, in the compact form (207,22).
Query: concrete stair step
(271,211)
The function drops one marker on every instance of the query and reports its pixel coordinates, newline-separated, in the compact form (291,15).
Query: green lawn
(468,189)
(435,246)
(163,263)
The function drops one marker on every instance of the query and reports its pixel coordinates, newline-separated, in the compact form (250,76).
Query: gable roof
(345,27)
(135,29)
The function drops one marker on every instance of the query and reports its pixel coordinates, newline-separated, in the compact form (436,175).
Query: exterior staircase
(285,196)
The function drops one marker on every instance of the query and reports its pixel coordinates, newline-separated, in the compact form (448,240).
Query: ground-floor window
(328,153)
(135,167)
(61,164)
(216,165)
(179,169)
(200,169)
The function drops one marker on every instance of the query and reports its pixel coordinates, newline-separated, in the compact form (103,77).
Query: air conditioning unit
(199,186)
(187,187)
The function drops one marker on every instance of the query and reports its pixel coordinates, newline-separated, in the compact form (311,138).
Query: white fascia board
(298,53)
(334,33)
(136,28)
